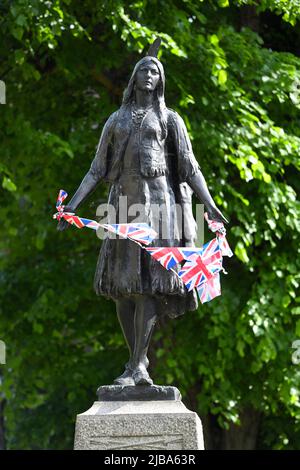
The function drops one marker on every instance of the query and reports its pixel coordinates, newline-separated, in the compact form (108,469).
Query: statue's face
(147,77)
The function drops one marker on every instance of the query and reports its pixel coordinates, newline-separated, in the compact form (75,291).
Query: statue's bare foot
(141,376)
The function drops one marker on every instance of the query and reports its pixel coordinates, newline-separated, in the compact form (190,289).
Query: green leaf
(223,3)
(222,77)
(17,33)
(8,184)
(214,40)
(297,329)
(21,20)
(241,252)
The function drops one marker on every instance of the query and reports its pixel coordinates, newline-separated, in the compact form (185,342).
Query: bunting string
(199,267)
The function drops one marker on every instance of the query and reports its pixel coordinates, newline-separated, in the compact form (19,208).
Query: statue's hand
(215,214)
(63,224)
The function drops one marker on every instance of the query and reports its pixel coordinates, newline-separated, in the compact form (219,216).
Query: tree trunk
(243,437)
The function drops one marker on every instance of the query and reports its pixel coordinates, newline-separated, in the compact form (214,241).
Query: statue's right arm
(87,186)
(94,175)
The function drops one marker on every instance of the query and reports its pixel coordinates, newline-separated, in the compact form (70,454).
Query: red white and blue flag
(210,289)
(220,230)
(201,267)
(80,222)
(213,225)
(60,199)
(169,256)
(140,233)
(225,248)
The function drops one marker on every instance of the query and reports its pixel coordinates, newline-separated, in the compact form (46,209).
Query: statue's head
(158,79)
(151,65)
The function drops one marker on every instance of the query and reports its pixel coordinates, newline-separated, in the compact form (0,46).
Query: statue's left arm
(198,184)
(189,169)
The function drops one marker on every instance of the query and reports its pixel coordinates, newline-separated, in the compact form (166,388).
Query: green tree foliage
(236,82)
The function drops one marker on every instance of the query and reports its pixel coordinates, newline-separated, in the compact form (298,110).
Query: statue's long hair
(159,93)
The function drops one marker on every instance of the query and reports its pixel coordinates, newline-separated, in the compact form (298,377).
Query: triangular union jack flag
(209,289)
(220,230)
(62,195)
(200,268)
(73,219)
(80,222)
(140,233)
(224,245)
(169,256)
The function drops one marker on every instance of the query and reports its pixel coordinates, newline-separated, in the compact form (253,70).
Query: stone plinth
(139,393)
(138,425)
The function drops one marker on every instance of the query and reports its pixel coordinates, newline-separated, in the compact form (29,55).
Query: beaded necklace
(138,114)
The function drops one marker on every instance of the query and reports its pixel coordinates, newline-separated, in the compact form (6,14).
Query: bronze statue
(145,154)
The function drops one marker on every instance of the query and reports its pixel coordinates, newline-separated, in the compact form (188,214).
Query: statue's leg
(125,311)
(144,322)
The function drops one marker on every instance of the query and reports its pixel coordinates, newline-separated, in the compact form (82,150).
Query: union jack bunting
(210,289)
(200,268)
(70,217)
(224,245)
(213,225)
(80,222)
(60,199)
(221,234)
(73,219)
(169,256)
(62,195)
(140,233)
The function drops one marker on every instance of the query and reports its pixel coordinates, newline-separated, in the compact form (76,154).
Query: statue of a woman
(145,154)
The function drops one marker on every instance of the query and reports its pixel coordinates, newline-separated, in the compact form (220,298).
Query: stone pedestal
(124,421)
